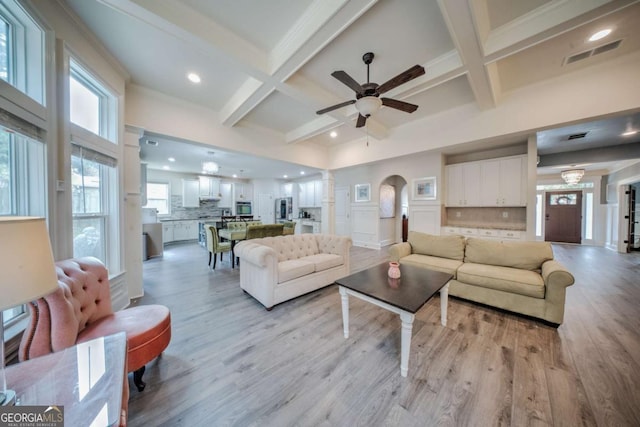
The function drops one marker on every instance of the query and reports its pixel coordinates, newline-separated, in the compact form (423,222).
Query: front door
(563,217)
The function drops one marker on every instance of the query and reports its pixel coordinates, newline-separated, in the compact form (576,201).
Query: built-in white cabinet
(286,189)
(484,233)
(242,192)
(496,182)
(310,194)
(190,193)
(175,231)
(209,187)
(167,232)
(463,184)
(503,182)
(226,197)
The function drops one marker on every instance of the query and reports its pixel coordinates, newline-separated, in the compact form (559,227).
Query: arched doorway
(393,197)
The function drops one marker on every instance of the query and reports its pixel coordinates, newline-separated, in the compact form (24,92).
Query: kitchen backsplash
(208,208)
(511,218)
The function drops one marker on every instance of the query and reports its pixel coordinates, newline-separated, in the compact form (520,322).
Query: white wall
(366,229)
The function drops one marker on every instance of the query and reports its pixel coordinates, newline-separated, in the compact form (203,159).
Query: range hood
(215,198)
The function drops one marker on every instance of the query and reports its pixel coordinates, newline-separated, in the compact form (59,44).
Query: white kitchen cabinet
(503,182)
(317,194)
(463,184)
(167,232)
(190,193)
(185,230)
(484,233)
(209,187)
(242,192)
(286,189)
(226,198)
(310,194)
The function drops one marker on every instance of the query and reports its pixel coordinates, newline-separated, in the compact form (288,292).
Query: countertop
(511,227)
(205,219)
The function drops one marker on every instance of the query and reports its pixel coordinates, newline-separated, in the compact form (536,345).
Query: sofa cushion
(444,265)
(514,280)
(294,268)
(291,247)
(324,261)
(523,255)
(451,247)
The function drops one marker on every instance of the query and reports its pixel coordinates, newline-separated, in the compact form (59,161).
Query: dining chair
(214,245)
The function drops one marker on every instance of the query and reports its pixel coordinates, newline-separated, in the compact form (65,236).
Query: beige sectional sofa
(276,269)
(521,277)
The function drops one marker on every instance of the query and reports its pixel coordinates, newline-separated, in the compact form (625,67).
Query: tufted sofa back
(83,296)
(293,246)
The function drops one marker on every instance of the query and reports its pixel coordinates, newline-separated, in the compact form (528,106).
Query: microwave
(243,208)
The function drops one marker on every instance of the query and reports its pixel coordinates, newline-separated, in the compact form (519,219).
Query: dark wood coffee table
(403,296)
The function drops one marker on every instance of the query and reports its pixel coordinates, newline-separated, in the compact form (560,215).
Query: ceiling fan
(368,99)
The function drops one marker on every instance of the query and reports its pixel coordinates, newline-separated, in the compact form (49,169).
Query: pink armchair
(80,310)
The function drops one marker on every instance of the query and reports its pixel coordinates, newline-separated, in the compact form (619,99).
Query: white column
(132,230)
(328,213)
(407,326)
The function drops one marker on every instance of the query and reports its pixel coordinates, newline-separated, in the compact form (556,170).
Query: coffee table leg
(407,327)
(345,311)
(444,300)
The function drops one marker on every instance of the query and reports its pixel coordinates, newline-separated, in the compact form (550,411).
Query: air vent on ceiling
(577,136)
(150,142)
(592,52)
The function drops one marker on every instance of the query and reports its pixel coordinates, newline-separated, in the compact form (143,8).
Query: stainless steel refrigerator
(284,209)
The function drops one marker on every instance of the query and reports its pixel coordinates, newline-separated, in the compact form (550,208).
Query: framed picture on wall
(363,192)
(424,188)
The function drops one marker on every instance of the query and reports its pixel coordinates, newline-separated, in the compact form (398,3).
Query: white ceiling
(268,64)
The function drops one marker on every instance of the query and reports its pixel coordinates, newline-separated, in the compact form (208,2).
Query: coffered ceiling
(268,64)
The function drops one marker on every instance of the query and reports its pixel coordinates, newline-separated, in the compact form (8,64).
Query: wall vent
(592,52)
(153,143)
(577,136)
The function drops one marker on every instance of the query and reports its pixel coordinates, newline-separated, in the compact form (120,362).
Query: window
(563,199)
(158,197)
(21,50)
(538,215)
(90,104)
(22,185)
(94,206)
(4,50)
(94,173)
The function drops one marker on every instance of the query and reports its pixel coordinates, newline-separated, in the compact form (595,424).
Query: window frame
(168,199)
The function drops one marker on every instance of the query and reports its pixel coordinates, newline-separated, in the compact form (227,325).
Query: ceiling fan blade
(361,121)
(335,107)
(410,74)
(399,105)
(348,80)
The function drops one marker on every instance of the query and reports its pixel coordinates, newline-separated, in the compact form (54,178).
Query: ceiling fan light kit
(572,176)
(368,99)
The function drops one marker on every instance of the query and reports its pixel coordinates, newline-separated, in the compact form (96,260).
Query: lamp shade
(367,105)
(27,269)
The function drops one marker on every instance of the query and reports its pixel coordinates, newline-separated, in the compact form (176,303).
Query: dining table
(233,236)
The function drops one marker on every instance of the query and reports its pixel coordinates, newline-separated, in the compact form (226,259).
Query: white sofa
(277,269)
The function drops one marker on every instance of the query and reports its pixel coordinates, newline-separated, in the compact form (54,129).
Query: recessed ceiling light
(333,134)
(171,159)
(600,34)
(193,78)
(630,132)
(234,175)
(285,176)
(165,167)
(301,172)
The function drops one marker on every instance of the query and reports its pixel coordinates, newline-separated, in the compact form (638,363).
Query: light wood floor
(231,362)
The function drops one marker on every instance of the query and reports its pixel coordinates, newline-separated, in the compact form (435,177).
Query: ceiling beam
(593,155)
(459,20)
